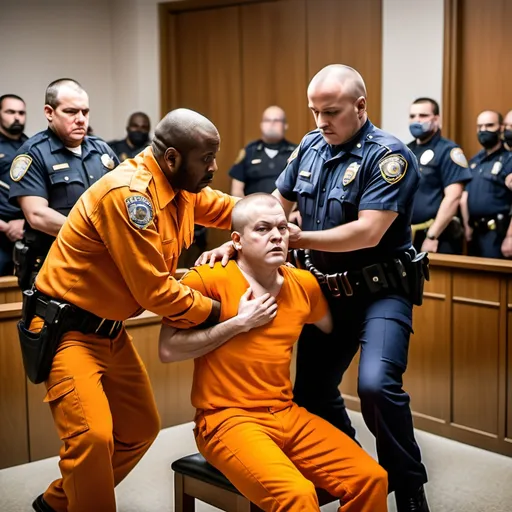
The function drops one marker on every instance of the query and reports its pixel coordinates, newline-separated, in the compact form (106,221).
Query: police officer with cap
(355,185)
(444,171)
(137,137)
(51,171)
(488,198)
(261,161)
(12,124)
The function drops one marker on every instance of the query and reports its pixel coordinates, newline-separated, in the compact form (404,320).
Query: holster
(26,264)
(38,349)
(417,271)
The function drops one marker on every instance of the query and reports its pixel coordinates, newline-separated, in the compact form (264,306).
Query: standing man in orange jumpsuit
(247,425)
(114,257)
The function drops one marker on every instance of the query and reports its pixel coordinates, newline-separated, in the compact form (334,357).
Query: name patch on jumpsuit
(140,211)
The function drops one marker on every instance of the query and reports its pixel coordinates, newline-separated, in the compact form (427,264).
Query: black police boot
(40,505)
(415,501)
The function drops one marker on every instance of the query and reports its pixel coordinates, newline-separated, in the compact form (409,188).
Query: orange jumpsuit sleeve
(318,303)
(193,280)
(139,256)
(213,208)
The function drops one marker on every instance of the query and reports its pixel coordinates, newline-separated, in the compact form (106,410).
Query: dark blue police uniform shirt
(257,170)
(124,151)
(487,193)
(8,150)
(441,163)
(332,184)
(56,173)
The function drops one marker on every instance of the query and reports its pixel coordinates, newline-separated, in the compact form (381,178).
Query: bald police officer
(488,198)
(12,124)
(52,170)
(444,172)
(259,164)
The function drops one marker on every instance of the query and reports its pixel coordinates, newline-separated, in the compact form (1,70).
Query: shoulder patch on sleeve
(393,168)
(458,156)
(20,166)
(240,157)
(293,156)
(140,211)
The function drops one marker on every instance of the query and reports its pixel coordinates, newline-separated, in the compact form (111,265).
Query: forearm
(178,345)
(464,208)
(47,220)
(288,206)
(348,237)
(447,210)
(509,230)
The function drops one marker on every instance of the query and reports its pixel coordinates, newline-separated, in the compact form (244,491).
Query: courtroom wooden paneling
(476,74)
(274,68)
(427,379)
(348,32)
(9,290)
(508,370)
(13,410)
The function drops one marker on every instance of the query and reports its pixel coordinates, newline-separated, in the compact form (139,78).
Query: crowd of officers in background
(460,207)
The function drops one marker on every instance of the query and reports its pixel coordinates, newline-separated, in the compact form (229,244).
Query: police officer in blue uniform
(507,130)
(12,124)
(444,172)
(137,137)
(260,163)
(488,198)
(51,171)
(355,185)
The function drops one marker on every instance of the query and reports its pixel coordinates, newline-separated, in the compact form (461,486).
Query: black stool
(195,479)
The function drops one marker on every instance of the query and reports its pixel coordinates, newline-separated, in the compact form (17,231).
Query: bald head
(338,75)
(250,208)
(273,124)
(184,130)
(508,120)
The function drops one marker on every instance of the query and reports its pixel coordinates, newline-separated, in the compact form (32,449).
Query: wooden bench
(195,479)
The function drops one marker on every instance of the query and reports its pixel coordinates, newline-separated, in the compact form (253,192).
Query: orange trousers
(103,407)
(277,458)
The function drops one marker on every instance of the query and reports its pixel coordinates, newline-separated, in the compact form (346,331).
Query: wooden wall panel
(508,370)
(9,290)
(348,32)
(13,411)
(483,79)
(274,68)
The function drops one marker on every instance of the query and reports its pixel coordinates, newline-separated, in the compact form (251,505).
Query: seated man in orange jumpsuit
(247,425)
(114,257)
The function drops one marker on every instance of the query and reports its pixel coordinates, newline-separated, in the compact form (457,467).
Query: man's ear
(361,106)
(173,159)
(48,112)
(235,240)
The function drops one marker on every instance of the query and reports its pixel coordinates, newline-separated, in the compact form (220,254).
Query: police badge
(140,211)
(393,168)
(107,161)
(350,173)
(20,166)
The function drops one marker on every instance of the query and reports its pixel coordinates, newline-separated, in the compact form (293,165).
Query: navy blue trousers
(382,329)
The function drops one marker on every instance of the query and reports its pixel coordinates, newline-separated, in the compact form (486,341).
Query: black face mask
(15,129)
(507,137)
(488,139)
(138,139)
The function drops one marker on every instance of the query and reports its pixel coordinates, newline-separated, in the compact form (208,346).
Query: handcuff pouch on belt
(406,277)
(38,348)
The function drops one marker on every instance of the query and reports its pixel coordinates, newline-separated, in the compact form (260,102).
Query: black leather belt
(488,223)
(77,319)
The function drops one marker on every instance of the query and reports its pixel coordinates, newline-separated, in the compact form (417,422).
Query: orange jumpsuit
(247,425)
(115,260)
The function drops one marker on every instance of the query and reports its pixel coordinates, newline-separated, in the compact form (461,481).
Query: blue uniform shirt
(8,150)
(487,193)
(441,163)
(373,171)
(256,169)
(44,167)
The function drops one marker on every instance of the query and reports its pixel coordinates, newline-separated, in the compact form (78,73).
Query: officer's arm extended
(40,216)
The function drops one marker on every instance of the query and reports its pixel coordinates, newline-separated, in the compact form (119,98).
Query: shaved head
(246,210)
(508,119)
(182,129)
(339,75)
(273,124)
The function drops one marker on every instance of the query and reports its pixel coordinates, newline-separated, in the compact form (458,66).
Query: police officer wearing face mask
(486,203)
(444,171)
(260,163)
(12,124)
(137,137)
(507,131)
